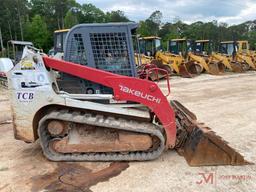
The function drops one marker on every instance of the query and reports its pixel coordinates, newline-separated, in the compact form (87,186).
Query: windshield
(227,48)
(158,44)
(230,49)
(173,47)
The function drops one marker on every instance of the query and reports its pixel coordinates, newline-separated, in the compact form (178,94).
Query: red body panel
(125,88)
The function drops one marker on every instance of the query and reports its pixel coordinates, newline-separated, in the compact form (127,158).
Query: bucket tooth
(199,145)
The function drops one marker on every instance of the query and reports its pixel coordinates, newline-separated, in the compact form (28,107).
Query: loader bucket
(237,67)
(199,144)
(190,69)
(216,68)
(150,71)
(245,66)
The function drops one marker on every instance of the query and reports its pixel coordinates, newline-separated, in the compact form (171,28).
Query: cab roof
(150,37)
(226,42)
(179,39)
(61,30)
(202,41)
(14,42)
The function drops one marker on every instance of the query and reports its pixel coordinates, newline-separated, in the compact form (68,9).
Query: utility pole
(21,28)
(1,41)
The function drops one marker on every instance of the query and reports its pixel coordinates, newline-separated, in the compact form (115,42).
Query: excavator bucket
(190,69)
(216,68)
(199,144)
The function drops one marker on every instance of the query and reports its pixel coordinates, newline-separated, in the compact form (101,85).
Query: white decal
(139,94)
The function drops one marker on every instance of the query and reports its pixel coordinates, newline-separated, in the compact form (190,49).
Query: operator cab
(228,47)
(203,47)
(59,43)
(59,39)
(180,46)
(150,45)
(243,47)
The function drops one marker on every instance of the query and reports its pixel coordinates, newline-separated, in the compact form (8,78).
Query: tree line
(36,20)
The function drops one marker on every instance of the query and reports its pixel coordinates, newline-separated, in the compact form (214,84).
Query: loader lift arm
(126,88)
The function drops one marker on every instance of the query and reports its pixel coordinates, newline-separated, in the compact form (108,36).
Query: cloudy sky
(229,11)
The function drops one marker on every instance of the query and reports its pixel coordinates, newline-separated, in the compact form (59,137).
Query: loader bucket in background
(190,69)
(216,68)
(245,66)
(151,71)
(238,67)
(199,144)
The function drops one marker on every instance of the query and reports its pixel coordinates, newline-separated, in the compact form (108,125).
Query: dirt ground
(225,103)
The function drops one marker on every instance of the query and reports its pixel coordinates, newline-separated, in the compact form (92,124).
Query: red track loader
(134,121)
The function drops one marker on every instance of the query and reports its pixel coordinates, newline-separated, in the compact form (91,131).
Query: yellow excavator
(173,63)
(201,54)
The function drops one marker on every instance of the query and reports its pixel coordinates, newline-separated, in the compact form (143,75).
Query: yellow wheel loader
(201,54)
(227,55)
(173,63)
(141,59)
(244,50)
(183,47)
(236,52)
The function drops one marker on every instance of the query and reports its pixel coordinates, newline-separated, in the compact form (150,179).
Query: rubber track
(100,121)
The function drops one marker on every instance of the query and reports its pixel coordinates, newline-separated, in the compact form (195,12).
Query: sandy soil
(226,103)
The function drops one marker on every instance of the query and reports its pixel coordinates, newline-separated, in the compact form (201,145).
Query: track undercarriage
(73,135)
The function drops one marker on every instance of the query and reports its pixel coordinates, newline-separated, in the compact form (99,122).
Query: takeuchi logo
(140,94)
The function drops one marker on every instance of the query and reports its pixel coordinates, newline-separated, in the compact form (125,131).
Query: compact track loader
(201,54)
(134,121)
